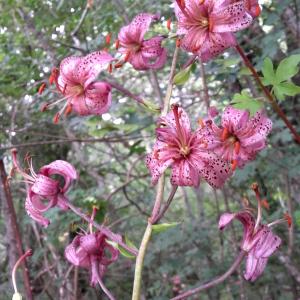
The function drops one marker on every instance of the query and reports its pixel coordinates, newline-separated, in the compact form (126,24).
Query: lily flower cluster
(208,26)
(211,152)
(259,242)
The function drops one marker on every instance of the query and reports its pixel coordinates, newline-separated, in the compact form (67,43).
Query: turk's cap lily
(76,81)
(183,150)
(90,251)
(208,26)
(142,54)
(43,191)
(239,137)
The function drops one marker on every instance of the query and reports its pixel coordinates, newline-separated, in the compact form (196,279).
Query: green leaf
(182,76)
(278,93)
(288,68)
(245,101)
(289,88)
(123,251)
(268,72)
(163,227)
(297,217)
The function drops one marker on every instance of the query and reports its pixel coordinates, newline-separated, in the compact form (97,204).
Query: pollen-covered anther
(288,218)
(119,65)
(107,39)
(254,186)
(169,24)
(109,68)
(68,109)
(201,123)
(225,134)
(42,88)
(257,11)
(178,43)
(117,44)
(265,204)
(44,107)
(237,147)
(127,56)
(53,76)
(201,1)
(234,164)
(56,118)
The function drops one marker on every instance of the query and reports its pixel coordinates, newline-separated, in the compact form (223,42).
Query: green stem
(136,292)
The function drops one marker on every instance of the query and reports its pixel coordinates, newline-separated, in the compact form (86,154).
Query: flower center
(76,90)
(185,150)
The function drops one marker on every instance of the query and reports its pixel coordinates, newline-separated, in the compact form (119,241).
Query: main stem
(269,96)
(215,281)
(15,228)
(136,292)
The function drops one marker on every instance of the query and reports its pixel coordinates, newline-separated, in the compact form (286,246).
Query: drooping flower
(240,137)
(90,251)
(208,25)
(76,82)
(44,192)
(142,54)
(185,152)
(259,242)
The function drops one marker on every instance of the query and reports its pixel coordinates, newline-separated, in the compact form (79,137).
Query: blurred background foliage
(37,35)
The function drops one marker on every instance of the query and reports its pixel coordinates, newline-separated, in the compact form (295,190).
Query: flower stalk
(136,292)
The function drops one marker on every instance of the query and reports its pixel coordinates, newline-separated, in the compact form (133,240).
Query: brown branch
(16,231)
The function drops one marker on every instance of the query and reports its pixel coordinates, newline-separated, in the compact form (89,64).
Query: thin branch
(215,281)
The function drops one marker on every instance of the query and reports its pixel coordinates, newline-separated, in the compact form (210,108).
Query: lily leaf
(182,76)
(163,227)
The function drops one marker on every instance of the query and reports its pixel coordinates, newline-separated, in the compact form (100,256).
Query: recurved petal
(91,65)
(159,62)
(62,168)
(212,168)
(33,213)
(184,174)
(98,98)
(138,62)
(261,123)
(114,255)
(91,243)
(45,186)
(267,244)
(254,267)
(234,119)
(141,23)
(230,19)
(152,48)
(225,219)
(68,67)
(156,167)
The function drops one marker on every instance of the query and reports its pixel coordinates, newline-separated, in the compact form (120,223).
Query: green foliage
(280,80)
(184,75)
(245,101)
(158,228)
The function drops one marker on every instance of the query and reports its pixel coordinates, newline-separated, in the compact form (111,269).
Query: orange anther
(264,203)
(201,123)
(178,42)
(288,219)
(254,186)
(169,24)
(234,164)
(42,88)
(237,147)
(109,68)
(257,11)
(155,154)
(127,56)
(68,109)
(119,65)
(44,107)
(201,1)
(225,134)
(107,39)
(117,44)
(56,118)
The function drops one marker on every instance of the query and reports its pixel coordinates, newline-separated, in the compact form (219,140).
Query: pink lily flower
(208,25)
(185,152)
(44,192)
(239,138)
(140,53)
(258,240)
(90,251)
(76,82)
